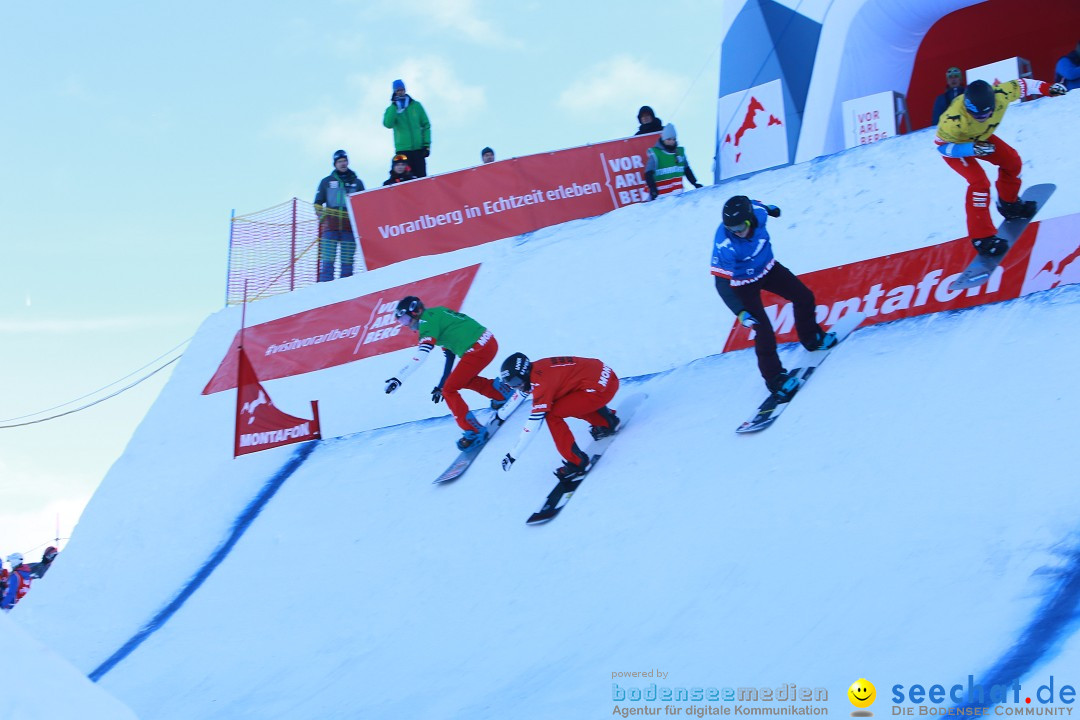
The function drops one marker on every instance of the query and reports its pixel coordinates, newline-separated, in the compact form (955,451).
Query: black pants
(779,281)
(417,162)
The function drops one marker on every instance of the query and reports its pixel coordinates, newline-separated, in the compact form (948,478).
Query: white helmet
(15,559)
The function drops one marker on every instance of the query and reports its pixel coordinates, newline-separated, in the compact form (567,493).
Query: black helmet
(340,154)
(410,307)
(515,371)
(980,99)
(738,213)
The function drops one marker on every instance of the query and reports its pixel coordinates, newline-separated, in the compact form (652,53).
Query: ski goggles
(741,227)
(403,318)
(980,116)
(515,381)
(953,72)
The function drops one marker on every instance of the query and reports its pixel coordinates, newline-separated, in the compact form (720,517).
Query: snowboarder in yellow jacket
(965,135)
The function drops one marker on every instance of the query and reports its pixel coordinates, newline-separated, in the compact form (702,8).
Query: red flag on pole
(259,424)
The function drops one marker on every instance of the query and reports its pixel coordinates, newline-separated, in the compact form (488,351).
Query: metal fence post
(292,250)
(228,261)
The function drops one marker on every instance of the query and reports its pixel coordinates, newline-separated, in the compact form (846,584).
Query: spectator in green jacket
(412,130)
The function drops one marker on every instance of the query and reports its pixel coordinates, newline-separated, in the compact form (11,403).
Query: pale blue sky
(131,130)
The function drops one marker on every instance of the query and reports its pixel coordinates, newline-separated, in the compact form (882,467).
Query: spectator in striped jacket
(665,165)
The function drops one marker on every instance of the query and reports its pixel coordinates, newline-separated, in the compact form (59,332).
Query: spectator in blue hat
(412,129)
(331,205)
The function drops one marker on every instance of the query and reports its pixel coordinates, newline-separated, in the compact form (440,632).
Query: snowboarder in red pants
(965,135)
(563,387)
(460,336)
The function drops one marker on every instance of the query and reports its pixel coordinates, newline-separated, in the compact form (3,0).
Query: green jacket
(412,130)
(454,331)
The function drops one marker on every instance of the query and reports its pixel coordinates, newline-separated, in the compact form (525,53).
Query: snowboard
(564,490)
(465,458)
(807,363)
(982,267)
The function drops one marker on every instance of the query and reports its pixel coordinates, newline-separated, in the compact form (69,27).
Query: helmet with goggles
(738,213)
(409,310)
(980,100)
(515,371)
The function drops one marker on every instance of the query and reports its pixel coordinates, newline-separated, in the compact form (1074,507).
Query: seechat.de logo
(862,695)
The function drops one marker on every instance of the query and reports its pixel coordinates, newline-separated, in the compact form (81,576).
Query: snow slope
(907,520)
(40,685)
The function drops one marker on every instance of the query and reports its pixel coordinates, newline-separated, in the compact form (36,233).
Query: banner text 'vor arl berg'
(337,334)
(490,202)
(917,282)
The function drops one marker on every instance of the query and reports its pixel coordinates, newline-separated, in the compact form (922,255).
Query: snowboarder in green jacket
(459,336)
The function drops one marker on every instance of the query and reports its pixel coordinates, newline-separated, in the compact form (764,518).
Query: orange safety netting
(274,251)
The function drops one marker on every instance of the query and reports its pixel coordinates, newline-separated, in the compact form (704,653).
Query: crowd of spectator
(666,163)
(411,127)
(15,582)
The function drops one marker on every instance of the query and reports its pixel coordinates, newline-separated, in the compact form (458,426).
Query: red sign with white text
(490,202)
(260,425)
(339,333)
(917,282)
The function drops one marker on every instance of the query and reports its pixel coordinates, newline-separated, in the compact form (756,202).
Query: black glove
(697,185)
(436,394)
(983,148)
(427,152)
(507,461)
(392,384)
(772,210)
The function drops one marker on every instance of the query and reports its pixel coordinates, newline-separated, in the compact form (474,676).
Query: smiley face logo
(862,693)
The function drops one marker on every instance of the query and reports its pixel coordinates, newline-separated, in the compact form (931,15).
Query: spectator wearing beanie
(331,200)
(648,121)
(487,155)
(399,171)
(412,129)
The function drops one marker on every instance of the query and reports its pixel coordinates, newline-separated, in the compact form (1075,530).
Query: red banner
(490,202)
(339,333)
(917,282)
(259,424)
